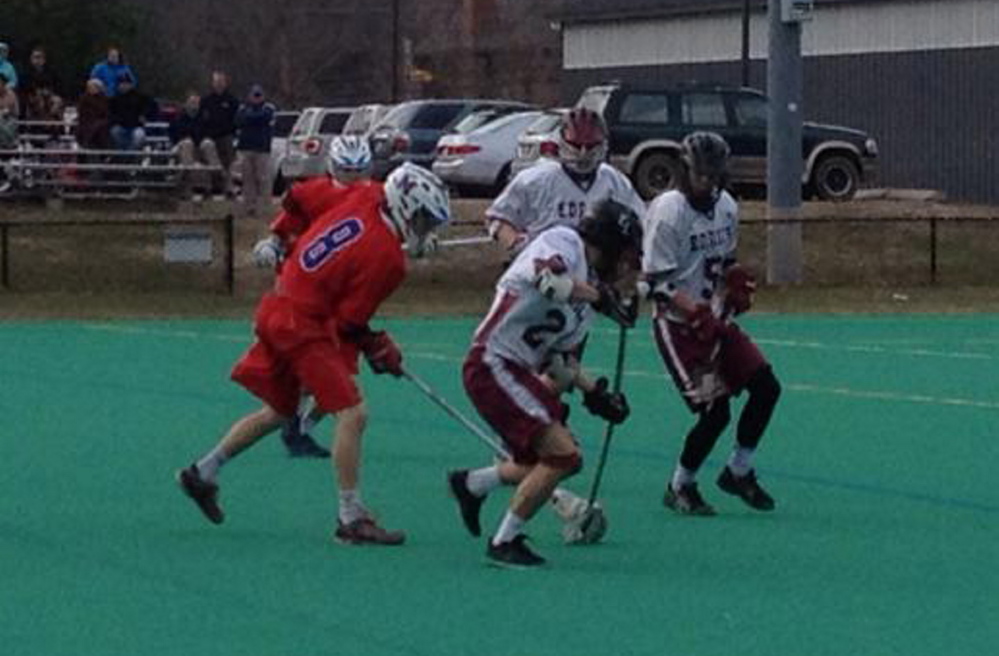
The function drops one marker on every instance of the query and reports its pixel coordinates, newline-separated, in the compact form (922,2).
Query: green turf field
(883,457)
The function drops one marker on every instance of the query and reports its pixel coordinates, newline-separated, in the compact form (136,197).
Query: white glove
(268,252)
(554,286)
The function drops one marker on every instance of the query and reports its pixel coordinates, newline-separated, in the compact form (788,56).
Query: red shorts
(703,371)
(294,352)
(512,399)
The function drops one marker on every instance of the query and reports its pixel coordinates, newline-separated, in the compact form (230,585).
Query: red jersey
(347,262)
(306,201)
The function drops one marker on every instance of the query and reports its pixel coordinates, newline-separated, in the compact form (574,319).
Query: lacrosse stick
(593,512)
(484,437)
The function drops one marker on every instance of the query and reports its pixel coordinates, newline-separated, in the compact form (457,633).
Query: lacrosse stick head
(581,522)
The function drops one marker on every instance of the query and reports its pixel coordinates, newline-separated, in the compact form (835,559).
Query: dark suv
(647,125)
(411,130)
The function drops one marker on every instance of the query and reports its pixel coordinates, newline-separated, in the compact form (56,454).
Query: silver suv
(308,143)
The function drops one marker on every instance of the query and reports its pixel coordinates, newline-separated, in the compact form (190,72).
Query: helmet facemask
(582,142)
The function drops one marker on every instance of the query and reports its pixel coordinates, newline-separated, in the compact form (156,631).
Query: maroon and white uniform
(544,196)
(687,250)
(520,335)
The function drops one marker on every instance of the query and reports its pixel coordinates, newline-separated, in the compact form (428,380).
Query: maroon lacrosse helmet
(582,141)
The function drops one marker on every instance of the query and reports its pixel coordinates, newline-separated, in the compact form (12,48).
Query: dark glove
(740,285)
(622,311)
(612,406)
(382,353)
(706,326)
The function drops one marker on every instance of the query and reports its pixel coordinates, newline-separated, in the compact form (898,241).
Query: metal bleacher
(48,162)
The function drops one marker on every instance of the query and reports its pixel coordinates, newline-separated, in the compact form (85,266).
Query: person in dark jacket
(192,145)
(39,75)
(218,113)
(130,110)
(255,129)
(93,126)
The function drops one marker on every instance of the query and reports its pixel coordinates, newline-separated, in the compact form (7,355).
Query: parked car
(308,143)
(409,133)
(539,139)
(364,118)
(478,162)
(284,123)
(646,126)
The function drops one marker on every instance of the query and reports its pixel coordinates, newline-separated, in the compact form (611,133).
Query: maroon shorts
(703,371)
(296,352)
(512,399)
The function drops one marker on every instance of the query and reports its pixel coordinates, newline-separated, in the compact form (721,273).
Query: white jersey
(524,326)
(687,250)
(544,196)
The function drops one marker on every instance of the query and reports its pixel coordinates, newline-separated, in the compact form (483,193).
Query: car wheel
(655,173)
(836,178)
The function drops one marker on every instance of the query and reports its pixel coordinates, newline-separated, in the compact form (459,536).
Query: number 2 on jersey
(554,323)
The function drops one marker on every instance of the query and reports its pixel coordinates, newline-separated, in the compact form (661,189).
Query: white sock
(682,476)
(483,481)
(208,467)
(351,508)
(509,528)
(741,460)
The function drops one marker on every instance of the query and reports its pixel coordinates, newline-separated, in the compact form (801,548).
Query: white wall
(837,30)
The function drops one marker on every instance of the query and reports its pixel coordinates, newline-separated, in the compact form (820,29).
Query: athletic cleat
(301,445)
(366,531)
(204,493)
(687,501)
(468,503)
(514,554)
(746,488)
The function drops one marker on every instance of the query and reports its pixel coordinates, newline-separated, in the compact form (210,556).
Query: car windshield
(283,123)
(510,121)
(304,123)
(333,123)
(544,124)
(435,116)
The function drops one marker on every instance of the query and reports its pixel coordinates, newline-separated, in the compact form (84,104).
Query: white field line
(806,388)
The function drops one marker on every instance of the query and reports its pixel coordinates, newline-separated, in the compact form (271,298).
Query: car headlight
(871,147)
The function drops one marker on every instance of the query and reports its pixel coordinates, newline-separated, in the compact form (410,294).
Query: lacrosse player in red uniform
(541,314)
(348,171)
(688,262)
(314,323)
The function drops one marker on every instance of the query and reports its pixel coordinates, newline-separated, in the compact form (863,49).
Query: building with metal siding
(922,76)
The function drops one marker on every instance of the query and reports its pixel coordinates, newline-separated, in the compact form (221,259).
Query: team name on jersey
(571,209)
(708,239)
(326,244)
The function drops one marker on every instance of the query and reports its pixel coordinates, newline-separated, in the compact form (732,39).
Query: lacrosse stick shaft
(451,410)
(609,431)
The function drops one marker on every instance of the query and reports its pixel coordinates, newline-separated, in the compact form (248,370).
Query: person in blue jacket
(111,70)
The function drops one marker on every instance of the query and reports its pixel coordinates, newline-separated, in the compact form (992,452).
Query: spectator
(187,134)
(129,110)
(7,68)
(93,118)
(39,75)
(8,115)
(218,114)
(111,70)
(255,128)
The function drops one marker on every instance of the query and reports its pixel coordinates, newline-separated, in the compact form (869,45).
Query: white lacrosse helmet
(350,157)
(417,205)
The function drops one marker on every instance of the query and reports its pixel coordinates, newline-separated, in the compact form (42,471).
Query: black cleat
(299,444)
(202,492)
(468,503)
(746,488)
(366,531)
(687,501)
(513,554)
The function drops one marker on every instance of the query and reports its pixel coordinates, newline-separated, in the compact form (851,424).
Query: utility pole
(784,158)
(745,43)
(395,51)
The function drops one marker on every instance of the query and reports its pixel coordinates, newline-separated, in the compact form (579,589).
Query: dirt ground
(872,263)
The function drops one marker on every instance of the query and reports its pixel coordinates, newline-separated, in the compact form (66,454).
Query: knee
(568,464)
(355,417)
(765,386)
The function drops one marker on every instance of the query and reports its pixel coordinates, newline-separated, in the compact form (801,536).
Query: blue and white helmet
(417,206)
(349,154)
